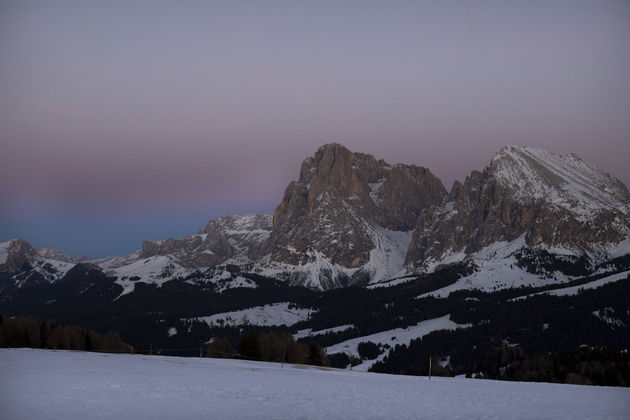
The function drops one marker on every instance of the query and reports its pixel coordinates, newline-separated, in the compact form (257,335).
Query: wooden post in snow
(429,367)
(284,349)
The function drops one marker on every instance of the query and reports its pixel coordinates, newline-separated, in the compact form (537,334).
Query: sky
(126,121)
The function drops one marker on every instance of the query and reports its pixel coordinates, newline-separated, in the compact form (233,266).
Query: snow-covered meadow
(44,384)
(393,338)
(280,313)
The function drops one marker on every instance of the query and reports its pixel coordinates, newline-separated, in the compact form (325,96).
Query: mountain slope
(347,214)
(534,202)
(232,239)
(21,265)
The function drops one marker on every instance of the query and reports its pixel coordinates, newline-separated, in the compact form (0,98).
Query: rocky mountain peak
(534,174)
(22,265)
(15,255)
(240,239)
(341,199)
(551,201)
(54,254)
(236,223)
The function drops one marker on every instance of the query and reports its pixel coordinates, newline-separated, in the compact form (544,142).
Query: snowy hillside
(282,313)
(392,338)
(43,384)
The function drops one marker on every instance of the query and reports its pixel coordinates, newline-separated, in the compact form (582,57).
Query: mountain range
(378,264)
(529,218)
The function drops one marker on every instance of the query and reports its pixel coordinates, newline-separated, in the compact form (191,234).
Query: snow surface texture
(389,283)
(153,270)
(109,263)
(386,261)
(308,332)
(574,290)
(394,337)
(236,282)
(50,263)
(497,268)
(43,384)
(267,315)
(564,181)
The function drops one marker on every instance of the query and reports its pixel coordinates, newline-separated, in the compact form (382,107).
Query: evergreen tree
(271,348)
(220,348)
(249,347)
(316,356)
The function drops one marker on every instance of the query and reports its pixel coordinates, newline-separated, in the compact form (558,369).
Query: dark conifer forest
(540,326)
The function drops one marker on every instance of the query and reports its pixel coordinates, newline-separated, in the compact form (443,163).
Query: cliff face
(21,265)
(342,205)
(556,202)
(18,255)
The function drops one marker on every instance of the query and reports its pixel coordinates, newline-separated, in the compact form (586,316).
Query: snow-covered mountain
(21,265)
(347,219)
(529,211)
(221,248)
(225,240)
(530,218)
(215,254)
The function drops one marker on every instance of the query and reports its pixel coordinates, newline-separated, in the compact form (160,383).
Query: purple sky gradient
(121,122)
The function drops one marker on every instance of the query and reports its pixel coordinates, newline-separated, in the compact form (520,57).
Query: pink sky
(125,115)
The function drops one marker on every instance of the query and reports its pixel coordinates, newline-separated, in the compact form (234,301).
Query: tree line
(269,347)
(48,334)
(584,366)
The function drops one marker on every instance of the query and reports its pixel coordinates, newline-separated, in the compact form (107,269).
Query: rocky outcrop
(557,202)
(21,265)
(340,207)
(18,256)
(247,235)
(240,239)
(55,254)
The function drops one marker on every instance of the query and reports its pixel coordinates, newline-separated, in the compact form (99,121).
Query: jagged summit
(15,254)
(557,203)
(22,265)
(55,254)
(231,239)
(337,223)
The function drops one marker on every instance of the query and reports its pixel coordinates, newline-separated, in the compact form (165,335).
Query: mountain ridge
(352,219)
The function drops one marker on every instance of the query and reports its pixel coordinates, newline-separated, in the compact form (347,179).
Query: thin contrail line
(470,32)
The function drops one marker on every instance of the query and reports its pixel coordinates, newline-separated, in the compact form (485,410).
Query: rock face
(21,265)
(16,255)
(559,203)
(240,239)
(55,254)
(344,209)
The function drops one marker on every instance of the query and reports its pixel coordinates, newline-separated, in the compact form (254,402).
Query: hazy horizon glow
(128,121)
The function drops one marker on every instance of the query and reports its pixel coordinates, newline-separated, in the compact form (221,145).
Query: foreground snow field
(44,384)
